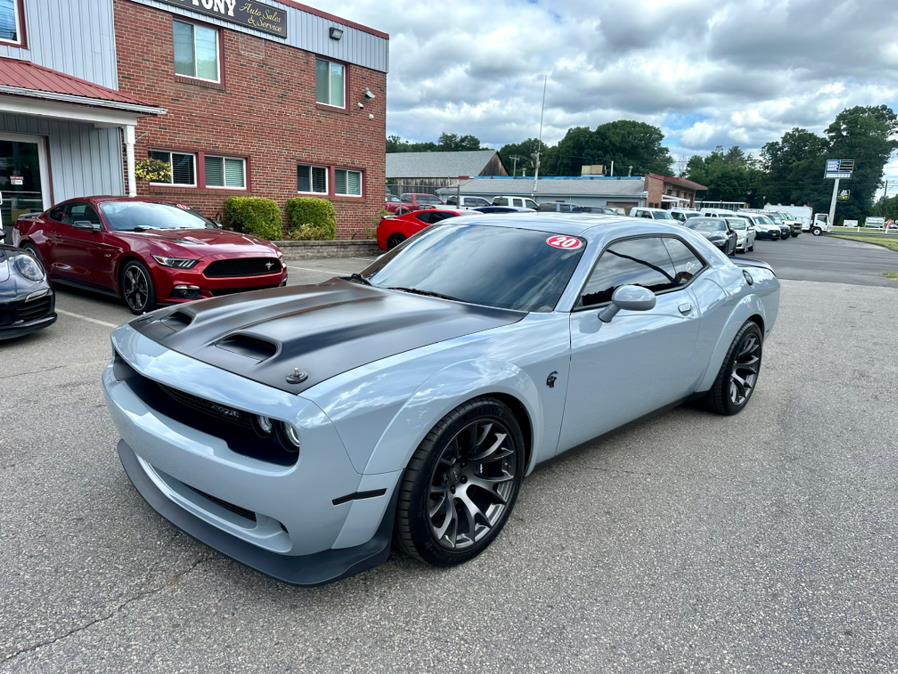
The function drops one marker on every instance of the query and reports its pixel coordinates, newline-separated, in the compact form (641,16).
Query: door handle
(685,308)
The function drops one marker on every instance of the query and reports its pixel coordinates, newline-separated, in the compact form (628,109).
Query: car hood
(192,242)
(295,337)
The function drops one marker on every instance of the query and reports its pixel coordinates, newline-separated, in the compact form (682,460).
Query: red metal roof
(35,78)
(682,182)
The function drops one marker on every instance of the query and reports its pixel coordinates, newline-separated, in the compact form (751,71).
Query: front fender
(751,304)
(440,394)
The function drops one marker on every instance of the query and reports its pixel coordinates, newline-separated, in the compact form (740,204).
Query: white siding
(73,36)
(84,160)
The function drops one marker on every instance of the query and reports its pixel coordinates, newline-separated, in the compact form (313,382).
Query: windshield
(763,220)
(136,216)
(423,198)
(737,223)
(662,215)
(706,225)
(776,218)
(504,267)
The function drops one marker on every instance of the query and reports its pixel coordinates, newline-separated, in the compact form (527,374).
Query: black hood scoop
(318,331)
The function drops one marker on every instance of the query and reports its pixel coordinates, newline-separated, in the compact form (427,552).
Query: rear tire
(461,484)
(738,376)
(394,241)
(136,287)
(35,253)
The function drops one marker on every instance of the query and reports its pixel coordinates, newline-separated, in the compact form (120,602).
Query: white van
(683,214)
(515,202)
(650,213)
(465,202)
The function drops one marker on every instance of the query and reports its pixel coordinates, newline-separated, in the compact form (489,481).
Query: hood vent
(178,320)
(248,346)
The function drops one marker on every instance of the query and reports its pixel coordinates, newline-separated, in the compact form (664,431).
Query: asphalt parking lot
(687,542)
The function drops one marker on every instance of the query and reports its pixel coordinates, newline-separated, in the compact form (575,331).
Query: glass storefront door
(23,179)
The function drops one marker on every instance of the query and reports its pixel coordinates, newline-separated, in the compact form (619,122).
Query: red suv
(147,252)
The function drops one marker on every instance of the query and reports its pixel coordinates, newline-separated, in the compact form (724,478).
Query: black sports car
(26,301)
(717,231)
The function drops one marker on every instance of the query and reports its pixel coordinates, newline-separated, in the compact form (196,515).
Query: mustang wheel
(461,484)
(738,375)
(137,288)
(394,241)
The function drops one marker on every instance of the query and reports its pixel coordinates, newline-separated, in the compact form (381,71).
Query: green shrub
(254,215)
(310,219)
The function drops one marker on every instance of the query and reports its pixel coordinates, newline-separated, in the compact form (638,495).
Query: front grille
(31,311)
(235,427)
(244,266)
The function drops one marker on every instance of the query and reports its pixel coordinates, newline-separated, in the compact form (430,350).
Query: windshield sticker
(563,242)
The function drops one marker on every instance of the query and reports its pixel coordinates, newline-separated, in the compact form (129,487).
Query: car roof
(588,226)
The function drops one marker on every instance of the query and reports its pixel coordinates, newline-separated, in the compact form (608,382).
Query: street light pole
(832,204)
(539,141)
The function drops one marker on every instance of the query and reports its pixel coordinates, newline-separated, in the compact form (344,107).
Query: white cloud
(707,72)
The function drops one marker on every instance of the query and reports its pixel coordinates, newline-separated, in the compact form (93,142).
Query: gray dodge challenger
(306,430)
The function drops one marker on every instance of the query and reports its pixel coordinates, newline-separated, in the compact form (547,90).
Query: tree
(867,135)
(449,142)
(525,152)
(397,144)
(576,149)
(794,166)
(632,144)
(729,175)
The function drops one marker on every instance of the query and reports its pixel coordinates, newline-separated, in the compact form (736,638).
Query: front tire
(739,372)
(816,231)
(137,289)
(461,484)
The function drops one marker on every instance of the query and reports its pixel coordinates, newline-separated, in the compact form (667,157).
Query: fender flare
(747,307)
(441,393)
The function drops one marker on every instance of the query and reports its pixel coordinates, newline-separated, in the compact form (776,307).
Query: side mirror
(631,298)
(87,226)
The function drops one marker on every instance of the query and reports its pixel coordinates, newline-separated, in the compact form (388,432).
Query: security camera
(371,115)
(369,94)
(361,105)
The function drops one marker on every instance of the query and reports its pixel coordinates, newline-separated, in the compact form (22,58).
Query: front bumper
(167,281)
(18,318)
(280,520)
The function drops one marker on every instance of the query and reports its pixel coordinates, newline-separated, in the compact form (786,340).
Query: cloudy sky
(708,73)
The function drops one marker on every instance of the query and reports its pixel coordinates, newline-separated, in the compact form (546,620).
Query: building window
(225,172)
(10,30)
(183,167)
(349,183)
(313,179)
(196,52)
(330,85)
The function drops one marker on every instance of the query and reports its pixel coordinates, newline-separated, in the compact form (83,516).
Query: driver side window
(643,262)
(80,213)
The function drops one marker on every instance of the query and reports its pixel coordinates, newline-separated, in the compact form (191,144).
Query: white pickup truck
(516,202)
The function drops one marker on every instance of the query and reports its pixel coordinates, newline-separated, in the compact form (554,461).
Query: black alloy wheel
(738,376)
(461,484)
(137,288)
(394,241)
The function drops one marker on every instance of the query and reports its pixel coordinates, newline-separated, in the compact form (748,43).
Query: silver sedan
(304,430)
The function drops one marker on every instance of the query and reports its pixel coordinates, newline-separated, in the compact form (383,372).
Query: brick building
(671,192)
(257,97)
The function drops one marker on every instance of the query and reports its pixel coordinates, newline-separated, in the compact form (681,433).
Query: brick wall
(264,110)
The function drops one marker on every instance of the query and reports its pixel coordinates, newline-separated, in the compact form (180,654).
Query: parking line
(87,318)
(322,271)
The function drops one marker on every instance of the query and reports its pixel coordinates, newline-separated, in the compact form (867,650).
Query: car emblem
(269,265)
(297,376)
(226,412)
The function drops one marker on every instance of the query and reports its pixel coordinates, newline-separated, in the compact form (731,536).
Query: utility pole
(539,142)
(516,157)
(612,168)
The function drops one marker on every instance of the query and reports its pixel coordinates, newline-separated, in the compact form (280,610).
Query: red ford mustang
(147,252)
(394,230)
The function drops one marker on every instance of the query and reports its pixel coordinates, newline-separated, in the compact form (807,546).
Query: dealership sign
(839,168)
(247,13)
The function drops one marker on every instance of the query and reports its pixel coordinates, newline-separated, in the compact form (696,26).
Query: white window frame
(171,165)
(20,29)
(217,32)
(223,171)
(329,64)
(327,179)
(361,193)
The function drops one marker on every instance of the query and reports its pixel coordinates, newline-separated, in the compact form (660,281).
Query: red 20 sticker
(565,242)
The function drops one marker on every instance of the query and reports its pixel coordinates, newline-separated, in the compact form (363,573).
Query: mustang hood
(293,338)
(199,242)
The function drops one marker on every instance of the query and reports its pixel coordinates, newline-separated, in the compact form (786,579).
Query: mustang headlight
(27,267)
(176,262)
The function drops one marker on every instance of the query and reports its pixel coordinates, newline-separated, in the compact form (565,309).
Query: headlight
(28,268)
(176,262)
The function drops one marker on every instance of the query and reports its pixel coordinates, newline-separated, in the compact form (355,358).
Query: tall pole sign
(836,170)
